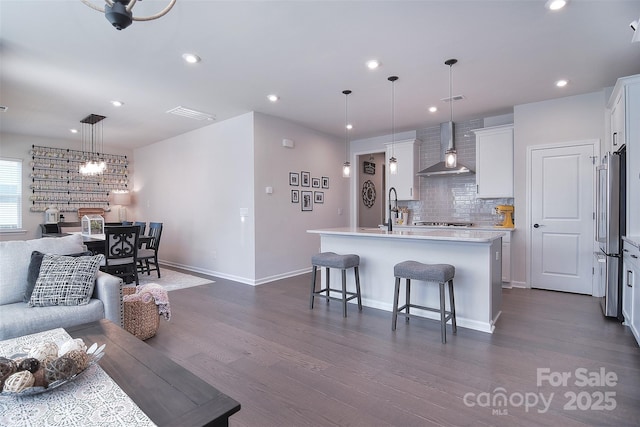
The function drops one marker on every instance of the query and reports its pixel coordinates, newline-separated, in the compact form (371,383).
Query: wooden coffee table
(166,392)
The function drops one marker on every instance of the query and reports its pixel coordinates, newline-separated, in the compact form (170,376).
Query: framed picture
(325,182)
(306,179)
(295,196)
(294,178)
(369,168)
(318,197)
(315,182)
(307,200)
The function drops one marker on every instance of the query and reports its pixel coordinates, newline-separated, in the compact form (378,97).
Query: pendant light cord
(450,95)
(346,124)
(393,79)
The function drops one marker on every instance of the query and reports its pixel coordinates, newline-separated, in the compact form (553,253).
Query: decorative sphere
(80,358)
(40,380)
(19,381)
(60,369)
(7,368)
(67,346)
(43,350)
(30,364)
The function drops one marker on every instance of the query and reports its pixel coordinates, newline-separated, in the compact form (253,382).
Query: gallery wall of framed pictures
(311,191)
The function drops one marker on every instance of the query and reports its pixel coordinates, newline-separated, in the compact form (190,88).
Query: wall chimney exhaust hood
(440,168)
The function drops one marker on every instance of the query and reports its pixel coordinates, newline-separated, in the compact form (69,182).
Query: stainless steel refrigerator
(610,227)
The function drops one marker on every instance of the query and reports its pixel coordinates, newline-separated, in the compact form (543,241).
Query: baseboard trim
(245,280)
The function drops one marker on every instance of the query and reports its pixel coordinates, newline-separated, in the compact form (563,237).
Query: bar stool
(333,260)
(432,273)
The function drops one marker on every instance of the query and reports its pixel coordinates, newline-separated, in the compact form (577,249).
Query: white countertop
(441,227)
(634,240)
(445,233)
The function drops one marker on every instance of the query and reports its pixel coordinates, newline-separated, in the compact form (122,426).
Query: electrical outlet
(416,217)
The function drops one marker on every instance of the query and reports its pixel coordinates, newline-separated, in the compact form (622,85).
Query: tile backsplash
(452,198)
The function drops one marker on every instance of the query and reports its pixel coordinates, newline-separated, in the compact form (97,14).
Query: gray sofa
(17,318)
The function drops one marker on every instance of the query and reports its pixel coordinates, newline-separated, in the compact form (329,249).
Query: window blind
(10,194)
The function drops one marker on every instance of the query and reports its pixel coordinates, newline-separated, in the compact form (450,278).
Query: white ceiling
(61,60)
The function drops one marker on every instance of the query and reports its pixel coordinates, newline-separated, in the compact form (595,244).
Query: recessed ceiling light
(191,58)
(273,98)
(561,83)
(555,4)
(73,130)
(349,126)
(373,64)
(433,109)
(117,103)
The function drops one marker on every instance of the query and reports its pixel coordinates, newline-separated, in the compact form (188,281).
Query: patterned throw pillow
(65,280)
(34,270)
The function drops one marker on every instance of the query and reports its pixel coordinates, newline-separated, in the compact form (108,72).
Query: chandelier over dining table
(92,145)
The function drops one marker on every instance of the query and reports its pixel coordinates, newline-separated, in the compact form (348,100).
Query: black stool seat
(342,262)
(430,273)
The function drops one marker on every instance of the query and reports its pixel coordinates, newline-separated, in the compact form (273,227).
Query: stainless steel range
(443,223)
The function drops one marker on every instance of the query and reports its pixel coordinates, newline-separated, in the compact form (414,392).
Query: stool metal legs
(396,296)
(445,316)
(346,296)
(452,307)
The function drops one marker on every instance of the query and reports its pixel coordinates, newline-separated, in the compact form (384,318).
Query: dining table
(96,242)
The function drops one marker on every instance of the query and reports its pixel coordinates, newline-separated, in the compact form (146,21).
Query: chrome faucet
(389,225)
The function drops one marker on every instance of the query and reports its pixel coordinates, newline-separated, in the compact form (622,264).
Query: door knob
(536,225)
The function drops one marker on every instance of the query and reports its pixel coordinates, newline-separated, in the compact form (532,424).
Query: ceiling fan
(118,12)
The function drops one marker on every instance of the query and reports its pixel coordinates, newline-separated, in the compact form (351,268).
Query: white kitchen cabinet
(406,181)
(617,136)
(630,283)
(624,114)
(494,162)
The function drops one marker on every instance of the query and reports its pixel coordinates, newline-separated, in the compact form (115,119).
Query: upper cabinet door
(494,162)
(405,181)
(617,137)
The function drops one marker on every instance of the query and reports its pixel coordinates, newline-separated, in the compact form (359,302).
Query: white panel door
(562,218)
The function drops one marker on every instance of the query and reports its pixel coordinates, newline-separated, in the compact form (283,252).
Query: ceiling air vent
(454,97)
(191,114)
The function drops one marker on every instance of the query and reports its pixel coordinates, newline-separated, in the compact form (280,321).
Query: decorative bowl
(94,353)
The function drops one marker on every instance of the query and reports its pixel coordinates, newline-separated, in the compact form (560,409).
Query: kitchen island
(476,256)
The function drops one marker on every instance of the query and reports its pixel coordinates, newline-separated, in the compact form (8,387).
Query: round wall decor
(368,193)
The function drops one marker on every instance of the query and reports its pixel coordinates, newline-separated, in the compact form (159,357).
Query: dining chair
(121,252)
(149,255)
(142,225)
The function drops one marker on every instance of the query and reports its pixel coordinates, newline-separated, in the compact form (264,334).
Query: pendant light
(93,164)
(451,156)
(346,167)
(393,162)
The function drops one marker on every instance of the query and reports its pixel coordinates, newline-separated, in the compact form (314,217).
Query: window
(10,194)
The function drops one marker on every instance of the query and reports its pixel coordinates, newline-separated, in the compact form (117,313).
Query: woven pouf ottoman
(141,317)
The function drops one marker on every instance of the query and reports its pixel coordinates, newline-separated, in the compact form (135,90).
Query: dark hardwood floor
(291,366)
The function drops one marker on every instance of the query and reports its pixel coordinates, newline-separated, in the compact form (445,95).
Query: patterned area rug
(173,280)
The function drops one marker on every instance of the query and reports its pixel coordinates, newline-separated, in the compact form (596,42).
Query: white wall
(283,246)
(195,184)
(560,120)
(18,147)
